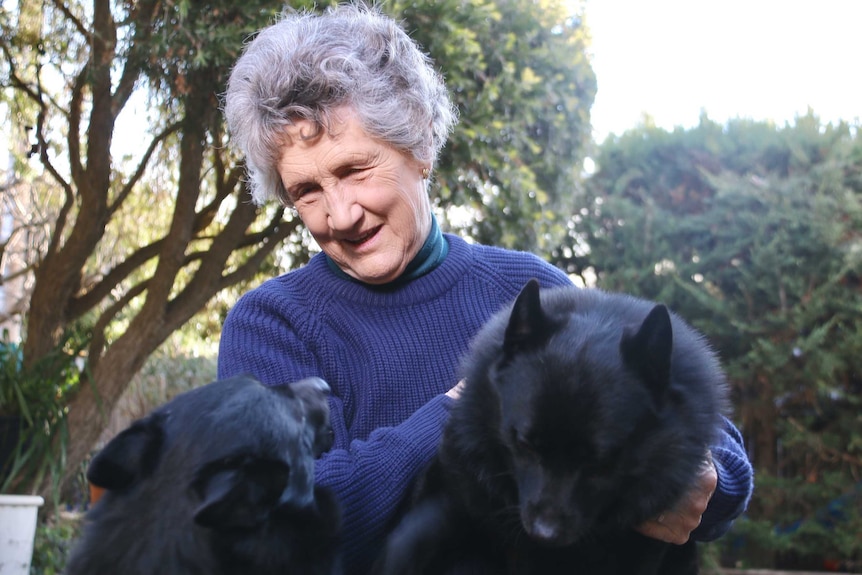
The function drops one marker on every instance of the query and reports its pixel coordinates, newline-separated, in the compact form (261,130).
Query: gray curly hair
(306,65)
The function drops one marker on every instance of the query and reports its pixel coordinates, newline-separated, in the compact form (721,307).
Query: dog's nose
(542,530)
(551,529)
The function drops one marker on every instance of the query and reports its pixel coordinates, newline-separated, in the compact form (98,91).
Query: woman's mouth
(363,238)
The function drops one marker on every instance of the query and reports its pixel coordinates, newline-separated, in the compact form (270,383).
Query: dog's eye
(231,462)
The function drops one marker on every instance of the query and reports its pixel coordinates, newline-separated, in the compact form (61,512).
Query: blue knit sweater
(389,356)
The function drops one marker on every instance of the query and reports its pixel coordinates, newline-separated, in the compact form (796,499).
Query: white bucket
(18,514)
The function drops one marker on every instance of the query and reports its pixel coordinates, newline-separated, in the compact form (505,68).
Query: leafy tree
(519,74)
(73,69)
(135,245)
(754,234)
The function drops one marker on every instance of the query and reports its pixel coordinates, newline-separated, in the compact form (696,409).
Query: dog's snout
(550,527)
(543,530)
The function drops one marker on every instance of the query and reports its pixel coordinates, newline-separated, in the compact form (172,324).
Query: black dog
(218,481)
(584,414)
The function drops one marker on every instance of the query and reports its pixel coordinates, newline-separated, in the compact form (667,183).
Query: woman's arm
(370,477)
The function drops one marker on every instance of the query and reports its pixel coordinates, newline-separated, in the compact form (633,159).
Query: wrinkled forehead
(329,122)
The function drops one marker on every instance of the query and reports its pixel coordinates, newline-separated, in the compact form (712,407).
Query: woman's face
(364,202)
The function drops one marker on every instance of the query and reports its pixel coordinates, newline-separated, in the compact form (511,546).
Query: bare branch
(74,138)
(251,266)
(234,177)
(69,202)
(37,95)
(144,11)
(141,168)
(82,29)
(19,84)
(6,278)
(97,344)
(110,281)
(211,274)
(83,303)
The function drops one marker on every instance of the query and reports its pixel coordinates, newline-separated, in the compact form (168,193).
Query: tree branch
(80,305)
(141,168)
(69,193)
(16,274)
(251,266)
(83,303)
(74,138)
(97,344)
(61,6)
(136,54)
(210,277)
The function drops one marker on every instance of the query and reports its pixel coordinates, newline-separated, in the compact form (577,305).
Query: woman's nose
(343,211)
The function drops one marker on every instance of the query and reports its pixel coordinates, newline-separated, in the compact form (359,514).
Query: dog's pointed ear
(131,455)
(238,494)
(648,350)
(528,325)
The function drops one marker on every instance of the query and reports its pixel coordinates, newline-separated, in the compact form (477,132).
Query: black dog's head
(600,431)
(226,454)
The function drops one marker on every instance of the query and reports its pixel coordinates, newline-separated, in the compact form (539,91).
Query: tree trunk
(58,276)
(191,258)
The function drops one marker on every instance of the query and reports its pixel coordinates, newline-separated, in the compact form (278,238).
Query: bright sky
(758,59)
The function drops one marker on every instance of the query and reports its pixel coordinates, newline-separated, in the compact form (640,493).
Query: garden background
(122,249)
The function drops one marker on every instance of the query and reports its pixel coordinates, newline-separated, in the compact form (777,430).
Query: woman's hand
(455,392)
(675,525)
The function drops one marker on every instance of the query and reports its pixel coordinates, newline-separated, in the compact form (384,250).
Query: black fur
(585,413)
(219,481)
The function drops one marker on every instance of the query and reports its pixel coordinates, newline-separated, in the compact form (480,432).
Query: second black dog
(219,481)
(585,414)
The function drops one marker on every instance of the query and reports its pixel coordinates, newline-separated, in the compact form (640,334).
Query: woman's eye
(299,191)
(357,172)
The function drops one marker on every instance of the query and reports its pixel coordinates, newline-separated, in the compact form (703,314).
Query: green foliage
(34,399)
(519,75)
(27,392)
(810,527)
(194,37)
(753,233)
(53,542)
(12,396)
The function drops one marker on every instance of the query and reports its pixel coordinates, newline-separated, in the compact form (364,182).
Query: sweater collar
(433,252)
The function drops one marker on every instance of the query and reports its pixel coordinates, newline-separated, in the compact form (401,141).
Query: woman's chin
(375,273)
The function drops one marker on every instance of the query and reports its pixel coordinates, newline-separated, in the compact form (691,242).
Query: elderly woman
(341,116)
